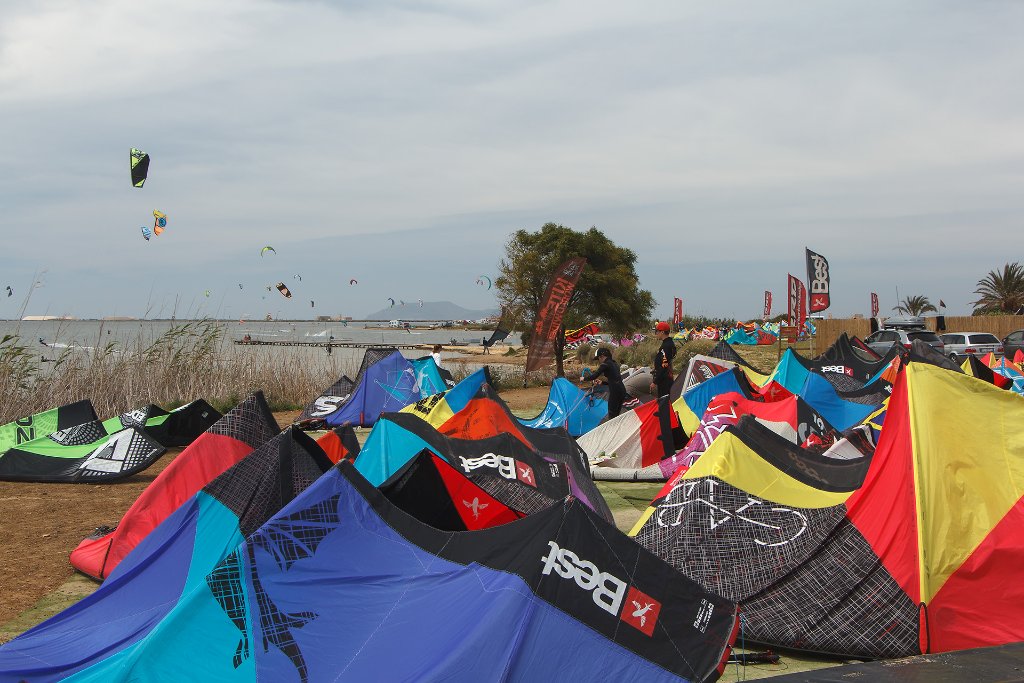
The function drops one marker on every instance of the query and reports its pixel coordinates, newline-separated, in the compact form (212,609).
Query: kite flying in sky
(484,280)
(353,282)
(140,167)
(10,292)
(265,249)
(146,232)
(159,222)
(284,290)
(392,302)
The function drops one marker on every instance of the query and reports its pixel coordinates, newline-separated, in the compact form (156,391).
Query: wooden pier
(334,344)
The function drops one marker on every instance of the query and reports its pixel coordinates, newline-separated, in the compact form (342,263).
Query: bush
(642,354)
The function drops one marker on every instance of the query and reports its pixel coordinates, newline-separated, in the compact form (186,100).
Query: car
(1012,343)
(902,330)
(959,344)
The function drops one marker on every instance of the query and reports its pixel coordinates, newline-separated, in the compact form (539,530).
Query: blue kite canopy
(824,398)
(387,383)
(342,586)
(569,406)
(428,376)
(169,563)
(790,373)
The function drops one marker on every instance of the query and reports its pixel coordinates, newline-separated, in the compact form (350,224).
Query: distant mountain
(430,310)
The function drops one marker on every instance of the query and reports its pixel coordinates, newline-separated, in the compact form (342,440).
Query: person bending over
(609,369)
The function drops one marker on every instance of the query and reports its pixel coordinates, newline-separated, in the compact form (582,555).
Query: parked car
(1013,343)
(902,330)
(960,344)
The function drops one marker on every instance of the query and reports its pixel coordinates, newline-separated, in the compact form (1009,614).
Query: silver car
(960,344)
(880,342)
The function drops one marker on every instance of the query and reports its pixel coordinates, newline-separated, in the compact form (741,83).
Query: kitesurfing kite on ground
(265,249)
(140,167)
(284,290)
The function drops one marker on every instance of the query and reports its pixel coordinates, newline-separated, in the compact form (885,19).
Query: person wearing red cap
(661,373)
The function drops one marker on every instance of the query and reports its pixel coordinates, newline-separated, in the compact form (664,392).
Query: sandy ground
(43,523)
(475,354)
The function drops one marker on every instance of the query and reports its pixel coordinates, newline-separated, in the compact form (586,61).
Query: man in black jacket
(661,370)
(613,378)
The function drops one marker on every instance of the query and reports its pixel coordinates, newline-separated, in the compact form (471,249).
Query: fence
(999,325)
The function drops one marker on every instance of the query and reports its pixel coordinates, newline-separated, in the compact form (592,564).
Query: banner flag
(797,302)
(549,317)
(817,281)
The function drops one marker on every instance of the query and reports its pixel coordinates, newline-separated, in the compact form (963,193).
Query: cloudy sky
(401,142)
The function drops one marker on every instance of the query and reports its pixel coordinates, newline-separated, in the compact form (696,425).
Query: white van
(395,323)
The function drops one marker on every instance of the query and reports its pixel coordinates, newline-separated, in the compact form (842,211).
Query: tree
(1001,292)
(915,305)
(608,290)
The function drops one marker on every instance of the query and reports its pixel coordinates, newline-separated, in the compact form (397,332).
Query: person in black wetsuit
(613,378)
(661,370)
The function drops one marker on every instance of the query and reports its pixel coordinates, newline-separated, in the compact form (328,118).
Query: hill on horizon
(430,310)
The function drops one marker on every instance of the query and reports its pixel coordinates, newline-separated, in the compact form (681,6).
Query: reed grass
(189,361)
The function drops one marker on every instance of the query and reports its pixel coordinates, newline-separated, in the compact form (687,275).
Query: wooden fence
(999,325)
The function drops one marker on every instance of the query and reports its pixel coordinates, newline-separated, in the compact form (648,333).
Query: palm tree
(915,305)
(1001,292)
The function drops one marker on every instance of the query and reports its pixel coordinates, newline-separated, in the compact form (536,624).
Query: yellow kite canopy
(924,556)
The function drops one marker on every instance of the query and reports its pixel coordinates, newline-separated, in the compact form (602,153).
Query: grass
(189,361)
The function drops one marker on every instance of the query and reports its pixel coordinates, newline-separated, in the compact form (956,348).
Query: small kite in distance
(297,277)
(207,294)
(159,222)
(240,286)
(146,232)
(484,280)
(265,249)
(353,282)
(311,304)
(10,292)
(284,290)
(392,302)
(140,167)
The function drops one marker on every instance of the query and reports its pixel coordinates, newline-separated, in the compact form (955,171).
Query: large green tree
(608,291)
(1001,292)
(915,305)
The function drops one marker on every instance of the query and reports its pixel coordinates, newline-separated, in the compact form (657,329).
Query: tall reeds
(191,360)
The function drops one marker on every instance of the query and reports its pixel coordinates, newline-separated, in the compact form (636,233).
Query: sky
(401,143)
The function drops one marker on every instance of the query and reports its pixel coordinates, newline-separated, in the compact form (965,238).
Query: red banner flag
(767,304)
(549,317)
(874,305)
(797,302)
(677,312)
(818,281)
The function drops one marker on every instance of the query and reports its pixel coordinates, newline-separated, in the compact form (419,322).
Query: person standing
(436,355)
(661,369)
(609,369)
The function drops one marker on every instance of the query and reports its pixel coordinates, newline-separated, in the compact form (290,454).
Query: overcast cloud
(400,143)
